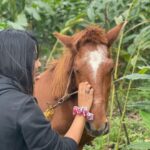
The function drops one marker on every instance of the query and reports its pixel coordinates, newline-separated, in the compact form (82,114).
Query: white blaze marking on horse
(96,58)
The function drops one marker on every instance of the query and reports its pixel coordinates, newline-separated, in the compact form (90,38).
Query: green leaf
(22,20)
(125,13)
(140,105)
(33,12)
(131,49)
(43,5)
(74,21)
(3,25)
(91,14)
(143,69)
(146,118)
(4,1)
(135,76)
(118,19)
(134,60)
(139,146)
(15,25)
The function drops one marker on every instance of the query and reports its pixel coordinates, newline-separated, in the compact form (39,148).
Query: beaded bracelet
(83,111)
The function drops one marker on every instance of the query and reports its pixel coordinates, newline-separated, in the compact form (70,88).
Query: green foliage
(140,105)
(135,76)
(43,17)
(146,118)
(132,69)
(137,133)
(139,146)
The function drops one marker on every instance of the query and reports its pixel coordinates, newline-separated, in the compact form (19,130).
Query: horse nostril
(104,129)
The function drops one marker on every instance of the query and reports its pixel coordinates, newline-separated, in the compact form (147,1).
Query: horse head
(93,63)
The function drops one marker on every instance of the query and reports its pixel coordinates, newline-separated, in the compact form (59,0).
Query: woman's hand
(85,95)
(85,99)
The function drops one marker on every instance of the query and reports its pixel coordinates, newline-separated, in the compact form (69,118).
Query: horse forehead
(98,55)
(96,58)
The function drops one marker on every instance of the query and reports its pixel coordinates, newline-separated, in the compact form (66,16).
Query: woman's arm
(85,98)
(36,130)
(76,129)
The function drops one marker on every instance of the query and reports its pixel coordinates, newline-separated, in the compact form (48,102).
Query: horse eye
(76,70)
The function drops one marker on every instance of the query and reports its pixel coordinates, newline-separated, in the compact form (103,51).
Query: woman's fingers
(84,87)
(85,95)
(91,91)
(85,90)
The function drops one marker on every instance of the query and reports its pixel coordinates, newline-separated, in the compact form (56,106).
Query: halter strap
(49,112)
(62,100)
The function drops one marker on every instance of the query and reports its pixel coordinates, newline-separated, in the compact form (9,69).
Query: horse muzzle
(104,129)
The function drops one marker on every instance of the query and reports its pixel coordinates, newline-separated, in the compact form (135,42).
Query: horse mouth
(95,133)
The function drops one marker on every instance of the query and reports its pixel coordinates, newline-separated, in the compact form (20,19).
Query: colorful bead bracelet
(83,111)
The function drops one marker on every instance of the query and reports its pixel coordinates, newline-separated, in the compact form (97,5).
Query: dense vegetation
(131,86)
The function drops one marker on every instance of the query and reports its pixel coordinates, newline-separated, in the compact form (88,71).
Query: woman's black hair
(18,52)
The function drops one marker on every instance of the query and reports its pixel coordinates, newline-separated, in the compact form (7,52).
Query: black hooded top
(22,123)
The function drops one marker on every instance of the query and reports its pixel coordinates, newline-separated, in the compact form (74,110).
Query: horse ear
(64,39)
(113,33)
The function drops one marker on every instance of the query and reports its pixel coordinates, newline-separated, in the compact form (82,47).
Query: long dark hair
(18,52)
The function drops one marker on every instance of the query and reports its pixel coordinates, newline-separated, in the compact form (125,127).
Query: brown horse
(86,58)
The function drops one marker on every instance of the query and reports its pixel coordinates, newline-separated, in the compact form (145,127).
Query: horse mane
(62,71)
(62,67)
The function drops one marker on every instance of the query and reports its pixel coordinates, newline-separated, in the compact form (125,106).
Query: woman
(22,123)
